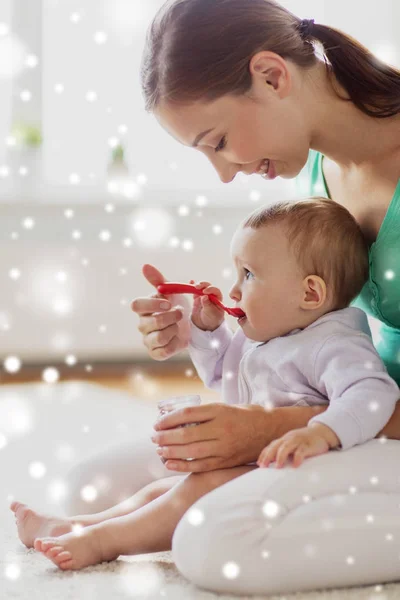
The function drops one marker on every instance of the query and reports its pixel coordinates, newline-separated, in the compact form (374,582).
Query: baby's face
(268,285)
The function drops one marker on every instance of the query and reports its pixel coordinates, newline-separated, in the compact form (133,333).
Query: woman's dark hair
(201,50)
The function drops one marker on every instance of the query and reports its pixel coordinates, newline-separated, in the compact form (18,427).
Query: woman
(258,90)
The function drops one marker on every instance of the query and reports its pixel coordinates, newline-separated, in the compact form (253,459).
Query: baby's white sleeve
(362,396)
(207,350)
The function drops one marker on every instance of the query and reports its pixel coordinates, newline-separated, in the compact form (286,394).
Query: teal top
(380,296)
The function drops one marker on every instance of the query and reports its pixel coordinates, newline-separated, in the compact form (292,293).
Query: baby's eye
(247,272)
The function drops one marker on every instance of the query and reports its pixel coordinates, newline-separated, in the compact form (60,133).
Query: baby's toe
(54,551)
(67,565)
(64,560)
(46,544)
(14,506)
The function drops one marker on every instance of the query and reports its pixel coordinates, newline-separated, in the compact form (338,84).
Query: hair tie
(305,27)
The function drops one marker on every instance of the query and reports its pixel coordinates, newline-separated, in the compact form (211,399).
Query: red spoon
(187,288)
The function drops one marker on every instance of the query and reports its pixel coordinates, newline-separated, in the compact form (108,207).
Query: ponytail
(372,85)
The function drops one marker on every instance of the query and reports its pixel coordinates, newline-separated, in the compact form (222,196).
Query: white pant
(333,522)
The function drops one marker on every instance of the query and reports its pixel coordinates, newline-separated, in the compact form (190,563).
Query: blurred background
(91,188)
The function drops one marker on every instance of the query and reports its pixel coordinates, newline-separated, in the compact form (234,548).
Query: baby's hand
(299,443)
(206,315)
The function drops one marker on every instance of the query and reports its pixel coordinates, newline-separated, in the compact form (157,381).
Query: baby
(298,265)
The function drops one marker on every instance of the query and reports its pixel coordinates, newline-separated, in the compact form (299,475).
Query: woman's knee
(204,534)
(197,537)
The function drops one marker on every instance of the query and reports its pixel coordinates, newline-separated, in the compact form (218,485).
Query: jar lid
(180,401)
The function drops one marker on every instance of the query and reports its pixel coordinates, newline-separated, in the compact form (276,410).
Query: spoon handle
(178,288)
(173,287)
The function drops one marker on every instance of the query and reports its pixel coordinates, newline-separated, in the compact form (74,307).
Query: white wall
(58,304)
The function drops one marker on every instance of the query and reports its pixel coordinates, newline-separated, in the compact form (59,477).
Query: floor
(151,381)
(48,425)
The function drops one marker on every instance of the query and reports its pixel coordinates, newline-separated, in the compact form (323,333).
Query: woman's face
(244,132)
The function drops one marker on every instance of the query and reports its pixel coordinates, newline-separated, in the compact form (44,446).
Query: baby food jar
(175,403)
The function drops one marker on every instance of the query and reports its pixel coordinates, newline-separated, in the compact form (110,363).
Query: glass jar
(175,403)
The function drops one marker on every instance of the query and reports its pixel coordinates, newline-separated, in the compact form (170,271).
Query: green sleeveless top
(380,296)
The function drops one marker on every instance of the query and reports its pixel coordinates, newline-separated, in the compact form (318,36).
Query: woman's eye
(221,144)
(247,272)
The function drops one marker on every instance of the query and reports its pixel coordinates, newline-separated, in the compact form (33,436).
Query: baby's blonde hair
(326,241)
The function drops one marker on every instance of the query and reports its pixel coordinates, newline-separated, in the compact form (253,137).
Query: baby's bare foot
(76,551)
(31,524)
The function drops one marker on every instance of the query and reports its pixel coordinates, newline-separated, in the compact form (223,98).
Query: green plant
(27,134)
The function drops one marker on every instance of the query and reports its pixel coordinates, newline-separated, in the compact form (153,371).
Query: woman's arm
(392,427)
(231,435)
(226,435)
(286,418)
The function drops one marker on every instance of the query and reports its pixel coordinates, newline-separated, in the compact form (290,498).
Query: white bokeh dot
(195,516)
(271,509)
(14,273)
(37,470)
(187,245)
(231,570)
(100,37)
(50,375)
(70,360)
(12,364)
(12,571)
(89,493)
(389,274)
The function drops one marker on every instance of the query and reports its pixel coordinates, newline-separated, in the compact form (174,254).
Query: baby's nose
(234,294)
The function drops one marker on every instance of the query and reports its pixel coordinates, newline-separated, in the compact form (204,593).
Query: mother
(257,90)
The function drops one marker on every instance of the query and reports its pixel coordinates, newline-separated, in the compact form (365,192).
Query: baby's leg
(32,524)
(148,529)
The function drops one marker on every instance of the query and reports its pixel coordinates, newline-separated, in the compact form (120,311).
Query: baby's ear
(314,292)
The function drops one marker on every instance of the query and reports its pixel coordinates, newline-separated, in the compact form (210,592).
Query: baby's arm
(207,350)
(362,396)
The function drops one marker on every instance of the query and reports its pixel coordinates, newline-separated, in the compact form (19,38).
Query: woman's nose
(226,176)
(226,170)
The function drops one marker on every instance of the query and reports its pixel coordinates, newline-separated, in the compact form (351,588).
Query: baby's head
(296,261)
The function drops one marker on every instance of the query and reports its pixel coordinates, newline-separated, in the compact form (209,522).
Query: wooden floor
(147,380)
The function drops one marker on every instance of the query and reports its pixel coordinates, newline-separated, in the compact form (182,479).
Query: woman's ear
(268,68)
(314,292)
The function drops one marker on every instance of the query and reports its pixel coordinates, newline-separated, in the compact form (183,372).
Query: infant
(299,265)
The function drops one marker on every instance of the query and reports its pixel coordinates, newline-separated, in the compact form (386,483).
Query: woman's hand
(226,436)
(206,315)
(165,331)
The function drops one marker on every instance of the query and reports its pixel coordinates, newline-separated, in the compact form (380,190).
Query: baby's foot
(31,524)
(74,552)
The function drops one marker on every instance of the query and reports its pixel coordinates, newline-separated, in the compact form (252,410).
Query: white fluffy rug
(43,429)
